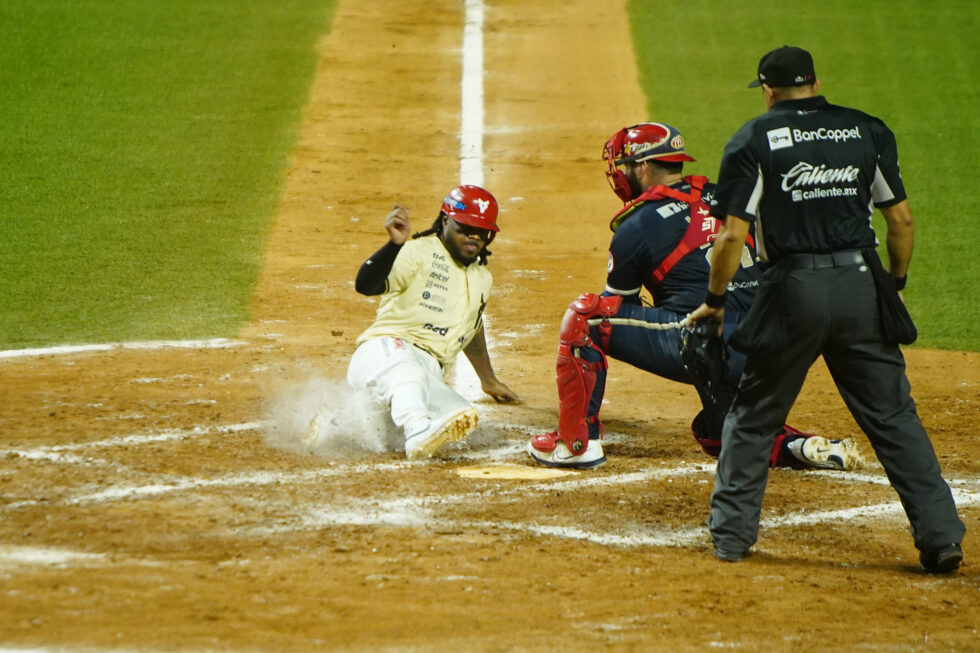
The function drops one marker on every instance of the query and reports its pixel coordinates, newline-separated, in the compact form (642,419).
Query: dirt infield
(150,499)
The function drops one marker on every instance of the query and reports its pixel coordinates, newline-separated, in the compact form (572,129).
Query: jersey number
(746,262)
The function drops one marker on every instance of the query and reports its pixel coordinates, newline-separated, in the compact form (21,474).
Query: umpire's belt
(821,261)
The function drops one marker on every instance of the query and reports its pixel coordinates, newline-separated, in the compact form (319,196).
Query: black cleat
(727,555)
(942,560)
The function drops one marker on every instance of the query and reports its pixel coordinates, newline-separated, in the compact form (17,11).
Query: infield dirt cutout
(144,506)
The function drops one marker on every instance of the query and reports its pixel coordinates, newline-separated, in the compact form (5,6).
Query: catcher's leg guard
(581,376)
(581,382)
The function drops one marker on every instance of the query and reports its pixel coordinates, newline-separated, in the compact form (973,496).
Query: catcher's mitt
(705,357)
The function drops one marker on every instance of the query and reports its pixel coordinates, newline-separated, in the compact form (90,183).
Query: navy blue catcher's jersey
(648,235)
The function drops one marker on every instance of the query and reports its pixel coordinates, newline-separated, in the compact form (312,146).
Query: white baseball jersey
(431,300)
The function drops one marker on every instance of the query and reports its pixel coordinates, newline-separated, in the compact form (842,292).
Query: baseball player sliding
(434,287)
(662,242)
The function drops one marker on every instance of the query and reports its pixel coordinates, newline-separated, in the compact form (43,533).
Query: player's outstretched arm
(479,357)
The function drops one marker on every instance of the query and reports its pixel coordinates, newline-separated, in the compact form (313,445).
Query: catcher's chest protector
(702,228)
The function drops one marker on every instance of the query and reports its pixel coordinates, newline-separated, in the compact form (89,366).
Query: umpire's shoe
(551,451)
(729,555)
(942,560)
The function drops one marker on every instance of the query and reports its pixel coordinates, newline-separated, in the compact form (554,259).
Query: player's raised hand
(397,224)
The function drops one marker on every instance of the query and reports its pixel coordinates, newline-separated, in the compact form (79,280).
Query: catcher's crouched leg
(571,445)
(791,448)
(581,371)
(798,450)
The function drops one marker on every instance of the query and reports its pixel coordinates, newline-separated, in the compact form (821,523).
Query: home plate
(512,472)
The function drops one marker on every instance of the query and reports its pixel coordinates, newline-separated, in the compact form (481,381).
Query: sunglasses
(472,232)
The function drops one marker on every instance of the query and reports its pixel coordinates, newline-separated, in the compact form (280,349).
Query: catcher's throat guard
(576,375)
(616,177)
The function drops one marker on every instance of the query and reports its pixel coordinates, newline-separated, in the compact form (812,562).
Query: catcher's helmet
(647,140)
(473,206)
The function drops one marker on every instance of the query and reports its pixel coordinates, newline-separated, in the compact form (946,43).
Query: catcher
(434,288)
(662,242)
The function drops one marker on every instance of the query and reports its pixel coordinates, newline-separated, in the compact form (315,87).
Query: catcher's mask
(473,206)
(647,140)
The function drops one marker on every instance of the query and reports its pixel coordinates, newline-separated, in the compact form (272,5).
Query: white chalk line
(471,96)
(20,558)
(216,343)
(126,492)
(137,439)
(419,512)
(671,537)
(497,454)
(43,555)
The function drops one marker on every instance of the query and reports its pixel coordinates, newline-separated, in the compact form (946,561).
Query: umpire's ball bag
(896,323)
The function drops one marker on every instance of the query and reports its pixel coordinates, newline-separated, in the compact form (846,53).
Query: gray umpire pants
(808,307)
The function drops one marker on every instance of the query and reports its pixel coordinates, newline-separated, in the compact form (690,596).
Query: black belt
(821,261)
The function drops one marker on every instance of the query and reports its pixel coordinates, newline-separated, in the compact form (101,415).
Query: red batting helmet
(647,140)
(473,206)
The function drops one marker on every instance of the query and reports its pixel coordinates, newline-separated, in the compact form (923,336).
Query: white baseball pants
(406,380)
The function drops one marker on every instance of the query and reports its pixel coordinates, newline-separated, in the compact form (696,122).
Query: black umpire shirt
(808,173)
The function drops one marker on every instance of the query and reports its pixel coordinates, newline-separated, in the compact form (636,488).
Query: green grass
(908,62)
(144,143)
(143,148)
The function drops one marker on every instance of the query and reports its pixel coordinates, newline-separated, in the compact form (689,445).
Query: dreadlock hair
(437,227)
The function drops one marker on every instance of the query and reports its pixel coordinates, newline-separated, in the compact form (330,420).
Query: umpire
(807,173)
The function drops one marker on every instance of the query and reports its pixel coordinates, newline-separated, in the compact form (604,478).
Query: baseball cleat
(439,433)
(822,453)
(312,435)
(551,451)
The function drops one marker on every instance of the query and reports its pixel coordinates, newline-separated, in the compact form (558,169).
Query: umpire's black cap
(785,66)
